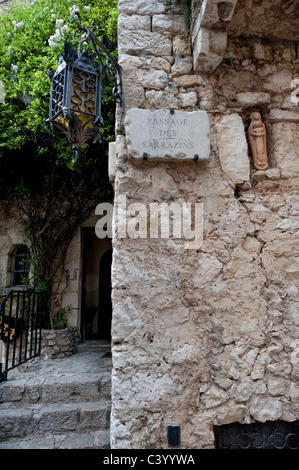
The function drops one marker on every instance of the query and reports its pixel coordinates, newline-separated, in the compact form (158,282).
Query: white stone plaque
(167,134)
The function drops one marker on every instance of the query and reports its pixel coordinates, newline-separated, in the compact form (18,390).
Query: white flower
(53,16)
(57,35)
(65,29)
(46,8)
(8,34)
(86,8)
(14,22)
(73,9)
(15,68)
(51,42)
(59,23)
(18,25)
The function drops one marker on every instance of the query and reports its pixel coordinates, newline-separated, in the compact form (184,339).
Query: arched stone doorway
(96,305)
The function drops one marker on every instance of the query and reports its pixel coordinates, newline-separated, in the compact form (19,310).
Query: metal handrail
(23,314)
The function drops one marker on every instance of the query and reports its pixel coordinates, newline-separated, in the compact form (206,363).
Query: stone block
(168,24)
(182,65)
(59,419)
(213,12)
(252,245)
(157,79)
(181,45)
(141,7)
(134,22)
(266,409)
(15,423)
(94,415)
(233,148)
(262,52)
(161,64)
(134,94)
(277,115)
(208,49)
(185,81)
(253,99)
(141,43)
(218,42)
(231,414)
(285,141)
(188,99)
(8,393)
(161,99)
(259,175)
(279,82)
(273,174)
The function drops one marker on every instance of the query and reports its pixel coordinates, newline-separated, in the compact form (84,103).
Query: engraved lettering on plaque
(162,135)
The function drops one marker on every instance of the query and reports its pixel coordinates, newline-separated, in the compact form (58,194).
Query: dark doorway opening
(96,305)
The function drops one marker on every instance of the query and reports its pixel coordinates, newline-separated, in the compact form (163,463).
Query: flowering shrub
(32,35)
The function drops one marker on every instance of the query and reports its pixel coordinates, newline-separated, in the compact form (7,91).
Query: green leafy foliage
(54,197)
(32,35)
(60,317)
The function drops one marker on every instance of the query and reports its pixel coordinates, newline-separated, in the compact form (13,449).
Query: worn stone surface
(70,405)
(144,43)
(253,99)
(59,343)
(210,337)
(233,148)
(285,140)
(158,135)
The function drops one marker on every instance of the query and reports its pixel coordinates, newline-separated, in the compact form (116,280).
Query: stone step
(42,419)
(62,403)
(56,388)
(70,440)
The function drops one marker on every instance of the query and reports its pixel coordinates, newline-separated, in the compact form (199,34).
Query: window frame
(20,265)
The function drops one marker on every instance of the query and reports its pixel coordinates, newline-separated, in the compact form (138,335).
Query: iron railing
(269,435)
(23,315)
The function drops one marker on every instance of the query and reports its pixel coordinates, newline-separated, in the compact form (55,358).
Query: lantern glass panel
(84,89)
(58,85)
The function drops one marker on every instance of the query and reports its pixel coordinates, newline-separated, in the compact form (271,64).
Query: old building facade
(208,335)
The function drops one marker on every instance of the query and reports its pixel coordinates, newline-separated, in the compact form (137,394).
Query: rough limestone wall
(11,234)
(210,336)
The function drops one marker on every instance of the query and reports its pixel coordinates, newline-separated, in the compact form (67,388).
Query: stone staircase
(59,404)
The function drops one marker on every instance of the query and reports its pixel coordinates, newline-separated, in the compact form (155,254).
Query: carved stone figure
(258,142)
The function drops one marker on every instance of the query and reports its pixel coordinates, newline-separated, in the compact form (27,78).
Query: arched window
(20,265)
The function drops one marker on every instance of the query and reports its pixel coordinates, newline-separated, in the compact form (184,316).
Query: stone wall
(209,336)
(59,343)
(11,235)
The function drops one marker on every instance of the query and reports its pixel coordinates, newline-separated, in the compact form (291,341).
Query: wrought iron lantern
(77,89)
